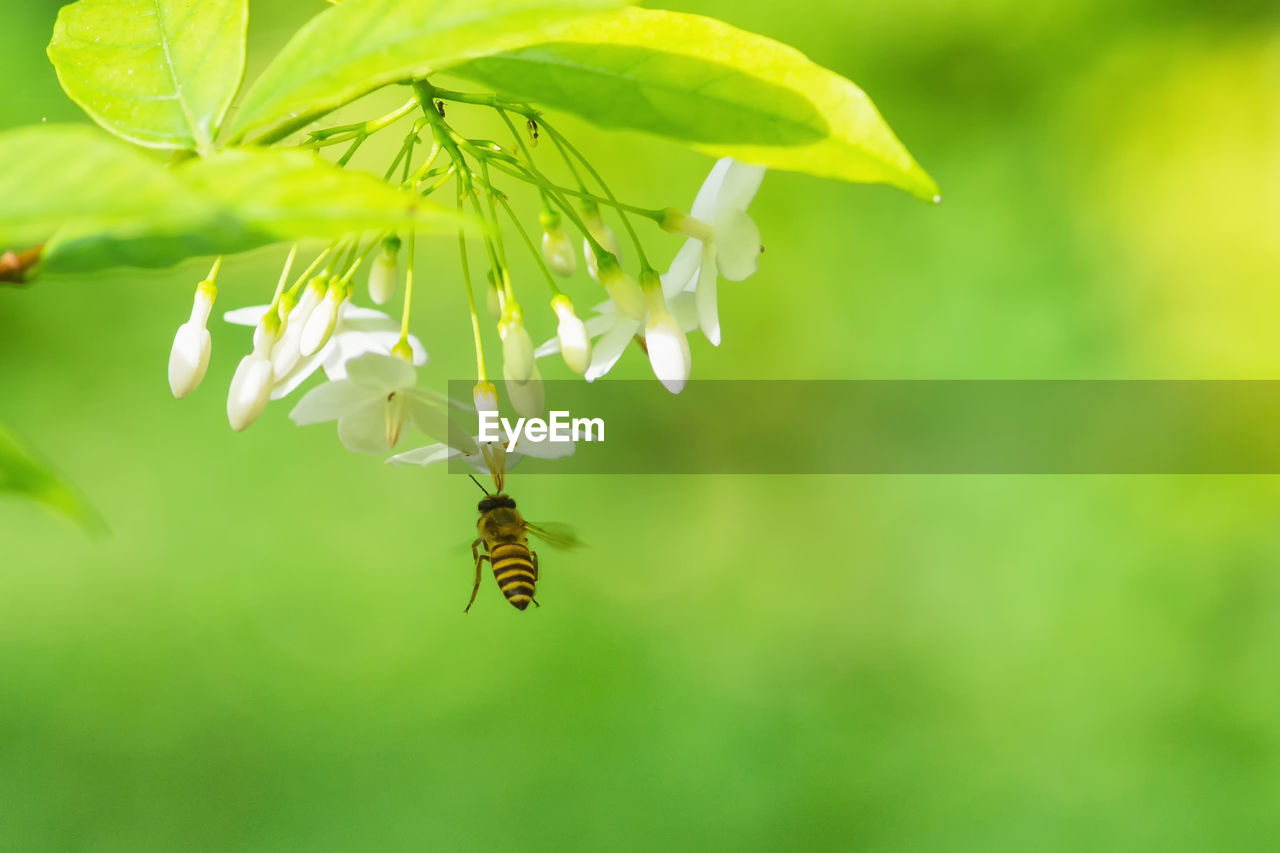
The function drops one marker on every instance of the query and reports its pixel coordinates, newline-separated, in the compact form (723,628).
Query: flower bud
(558,252)
(493,302)
(622,289)
(575,343)
(286,353)
(668,347)
(384,274)
(189,355)
(603,235)
(485,396)
(267,332)
(528,398)
(517,346)
(250,391)
(323,320)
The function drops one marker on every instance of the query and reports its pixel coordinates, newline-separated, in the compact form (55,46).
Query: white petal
(682,307)
(428,455)
(300,372)
(355,318)
(626,294)
(557,250)
(705,298)
(611,346)
(250,391)
(249,316)
(575,344)
(331,401)
(528,398)
(704,206)
(737,245)
(684,269)
(598,325)
(189,358)
(542,450)
(517,352)
(547,348)
(668,352)
(383,372)
(431,418)
(321,325)
(741,183)
(286,354)
(364,429)
(384,275)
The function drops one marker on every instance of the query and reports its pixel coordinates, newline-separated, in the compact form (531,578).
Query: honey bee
(504,536)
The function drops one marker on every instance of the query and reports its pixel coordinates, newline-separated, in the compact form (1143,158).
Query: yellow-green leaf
(244,199)
(701,81)
(361,45)
(23,476)
(56,176)
(160,73)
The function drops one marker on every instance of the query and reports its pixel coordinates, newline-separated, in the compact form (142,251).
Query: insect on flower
(504,537)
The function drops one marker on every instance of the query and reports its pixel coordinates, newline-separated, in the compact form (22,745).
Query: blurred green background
(267,652)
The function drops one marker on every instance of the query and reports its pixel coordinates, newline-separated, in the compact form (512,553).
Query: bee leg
(480,558)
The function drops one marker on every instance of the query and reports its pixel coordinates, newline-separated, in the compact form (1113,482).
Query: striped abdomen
(514,570)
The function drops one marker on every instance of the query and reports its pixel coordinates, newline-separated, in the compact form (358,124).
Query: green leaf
(106,204)
(361,45)
(57,176)
(23,476)
(699,80)
(160,73)
(244,199)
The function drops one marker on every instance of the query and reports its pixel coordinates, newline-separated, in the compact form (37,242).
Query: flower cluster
(369,357)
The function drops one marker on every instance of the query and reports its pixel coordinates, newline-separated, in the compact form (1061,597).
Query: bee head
(496,502)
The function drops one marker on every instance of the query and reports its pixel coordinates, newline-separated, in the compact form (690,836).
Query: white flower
(517,346)
(358,331)
(321,323)
(528,397)
(374,403)
(603,235)
(572,336)
(251,386)
(623,290)
(286,353)
(557,251)
(384,276)
(485,396)
(189,356)
(723,239)
(434,453)
(611,332)
(667,345)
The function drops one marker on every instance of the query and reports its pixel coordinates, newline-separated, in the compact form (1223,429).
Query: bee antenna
(477,482)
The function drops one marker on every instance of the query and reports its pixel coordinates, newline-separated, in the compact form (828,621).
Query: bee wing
(560,536)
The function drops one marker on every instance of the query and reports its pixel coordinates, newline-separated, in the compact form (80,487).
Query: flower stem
(449,141)
(284,275)
(559,139)
(528,241)
(471,298)
(314,266)
(342,133)
(408,290)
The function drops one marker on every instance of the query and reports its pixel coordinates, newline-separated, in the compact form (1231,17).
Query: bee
(504,537)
